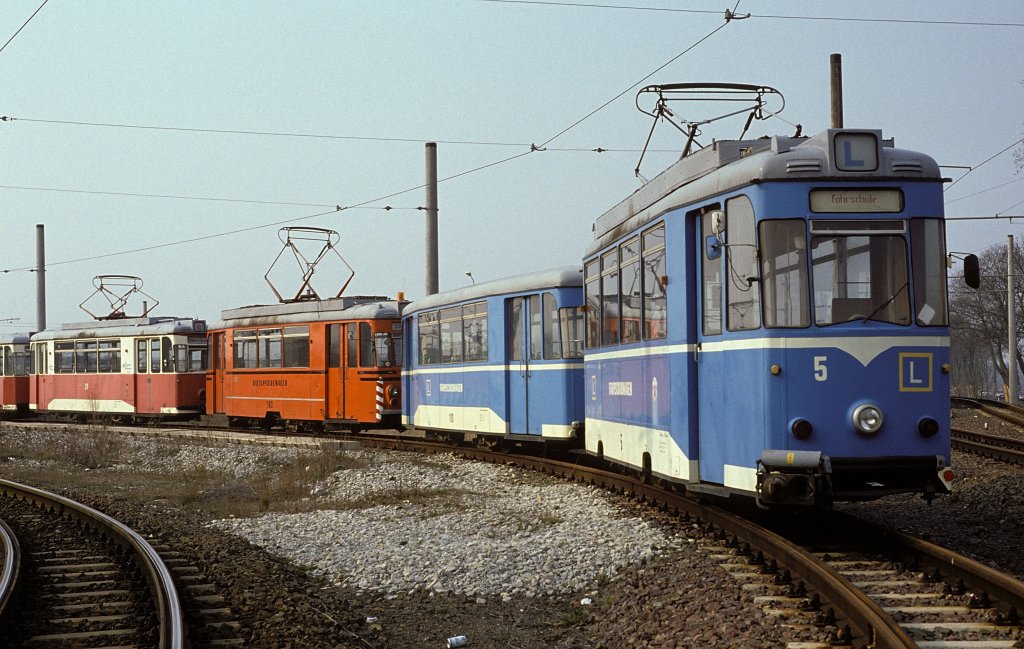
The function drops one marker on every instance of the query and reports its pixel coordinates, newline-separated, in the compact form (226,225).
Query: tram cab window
(859,272)
(928,260)
(742,287)
(784,281)
(387,349)
(711,273)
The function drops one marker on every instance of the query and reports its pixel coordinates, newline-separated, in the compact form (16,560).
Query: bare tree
(978,319)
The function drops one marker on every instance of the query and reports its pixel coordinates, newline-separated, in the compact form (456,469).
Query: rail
(11,569)
(169,610)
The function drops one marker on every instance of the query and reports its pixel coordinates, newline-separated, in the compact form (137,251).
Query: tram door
(217,369)
(143,383)
(335,391)
(524,349)
(712,373)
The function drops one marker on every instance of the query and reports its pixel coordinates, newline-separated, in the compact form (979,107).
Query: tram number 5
(820,369)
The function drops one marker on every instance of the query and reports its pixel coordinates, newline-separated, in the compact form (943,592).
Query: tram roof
(152,326)
(730,164)
(566,276)
(343,308)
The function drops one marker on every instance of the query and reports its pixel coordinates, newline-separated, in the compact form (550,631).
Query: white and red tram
(131,368)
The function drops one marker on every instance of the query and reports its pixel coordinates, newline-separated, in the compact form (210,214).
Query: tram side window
(784,280)
(610,297)
(571,327)
(430,341)
(536,339)
(554,342)
(7,361)
(711,275)
(85,356)
(474,331)
(655,300)
(592,308)
(110,356)
(742,289)
(269,347)
(140,356)
(630,295)
(64,357)
(334,345)
(451,335)
(245,349)
(296,346)
(515,329)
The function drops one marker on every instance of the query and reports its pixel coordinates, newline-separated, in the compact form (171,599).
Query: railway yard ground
(367,548)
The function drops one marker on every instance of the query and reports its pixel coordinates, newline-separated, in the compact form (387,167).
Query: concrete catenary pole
(40,279)
(1011,327)
(836,64)
(431,256)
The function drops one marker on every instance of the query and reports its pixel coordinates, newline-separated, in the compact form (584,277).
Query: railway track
(871,586)
(81,578)
(1003,447)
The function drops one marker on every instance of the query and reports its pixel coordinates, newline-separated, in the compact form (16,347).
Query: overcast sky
(172,140)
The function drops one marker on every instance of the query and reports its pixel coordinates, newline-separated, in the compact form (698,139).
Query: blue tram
(498,362)
(768,317)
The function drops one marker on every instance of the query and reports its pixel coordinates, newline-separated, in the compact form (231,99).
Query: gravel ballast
(436,546)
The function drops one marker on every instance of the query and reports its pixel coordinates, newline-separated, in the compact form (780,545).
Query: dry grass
(83,459)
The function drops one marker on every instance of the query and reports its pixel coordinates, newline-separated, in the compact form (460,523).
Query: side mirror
(712,247)
(972,275)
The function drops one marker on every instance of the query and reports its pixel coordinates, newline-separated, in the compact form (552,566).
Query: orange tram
(307,365)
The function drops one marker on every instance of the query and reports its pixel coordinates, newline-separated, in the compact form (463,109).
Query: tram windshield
(887,270)
(388,349)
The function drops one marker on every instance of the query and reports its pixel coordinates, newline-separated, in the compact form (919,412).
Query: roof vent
(803,165)
(906,167)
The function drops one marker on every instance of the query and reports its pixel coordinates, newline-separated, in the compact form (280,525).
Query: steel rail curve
(11,569)
(169,610)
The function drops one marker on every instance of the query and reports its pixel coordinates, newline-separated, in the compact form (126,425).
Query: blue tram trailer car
(498,362)
(768,317)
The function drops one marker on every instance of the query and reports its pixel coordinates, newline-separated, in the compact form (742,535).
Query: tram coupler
(793,478)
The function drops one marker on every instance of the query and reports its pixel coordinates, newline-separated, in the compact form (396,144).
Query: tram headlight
(393,393)
(867,419)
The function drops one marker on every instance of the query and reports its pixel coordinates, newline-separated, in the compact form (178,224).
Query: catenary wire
(23,26)
(336,209)
(990,159)
(915,21)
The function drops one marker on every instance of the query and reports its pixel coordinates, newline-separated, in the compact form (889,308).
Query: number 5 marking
(820,369)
